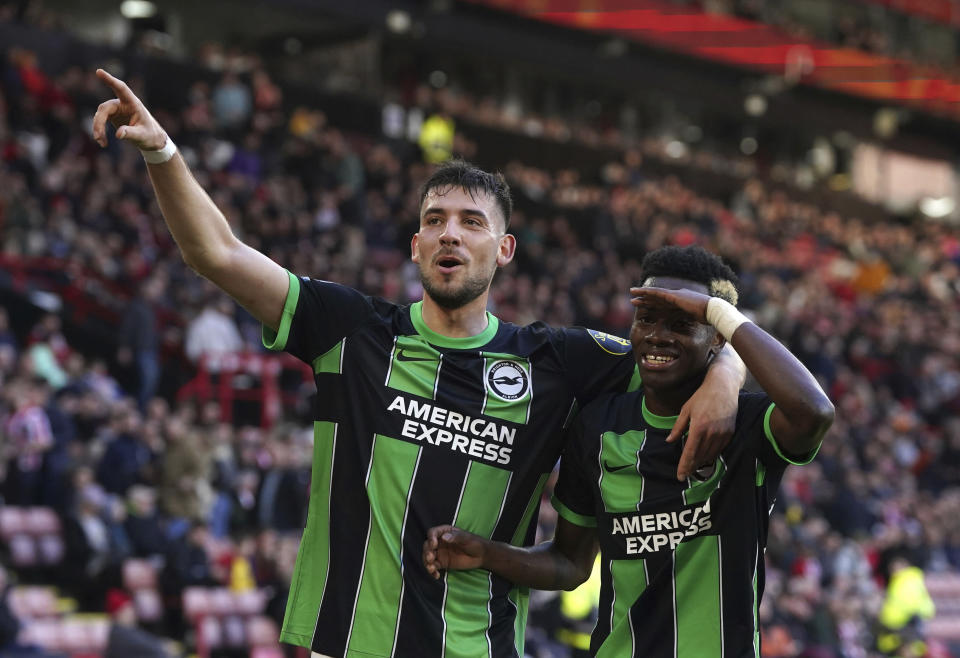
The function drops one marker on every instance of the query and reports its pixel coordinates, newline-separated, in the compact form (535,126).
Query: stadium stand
(870,305)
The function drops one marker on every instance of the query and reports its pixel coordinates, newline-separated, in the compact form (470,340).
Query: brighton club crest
(507,380)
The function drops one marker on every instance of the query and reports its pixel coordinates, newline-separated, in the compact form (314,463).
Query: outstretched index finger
(118,86)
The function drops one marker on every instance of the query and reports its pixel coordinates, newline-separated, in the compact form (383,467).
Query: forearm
(542,566)
(199,228)
(789,384)
(727,369)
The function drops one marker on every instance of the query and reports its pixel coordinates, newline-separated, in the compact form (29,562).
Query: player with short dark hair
(682,561)
(433,412)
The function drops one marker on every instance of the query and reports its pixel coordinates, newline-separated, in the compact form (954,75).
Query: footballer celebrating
(427,413)
(682,561)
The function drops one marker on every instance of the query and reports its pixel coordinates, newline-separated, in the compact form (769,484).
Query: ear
(414,253)
(508,246)
(718,342)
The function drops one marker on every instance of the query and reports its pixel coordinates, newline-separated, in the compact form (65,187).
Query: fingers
(681,425)
(689,458)
(118,86)
(136,134)
(431,545)
(106,110)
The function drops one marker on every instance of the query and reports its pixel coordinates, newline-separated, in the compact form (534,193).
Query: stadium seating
(32,534)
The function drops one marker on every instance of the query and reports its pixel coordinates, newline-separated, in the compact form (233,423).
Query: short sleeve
(573,496)
(771,451)
(316,315)
(598,363)
(753,424)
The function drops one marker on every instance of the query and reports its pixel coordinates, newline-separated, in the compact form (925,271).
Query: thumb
(136,134)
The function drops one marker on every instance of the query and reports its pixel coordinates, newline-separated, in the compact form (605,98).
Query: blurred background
(154,459)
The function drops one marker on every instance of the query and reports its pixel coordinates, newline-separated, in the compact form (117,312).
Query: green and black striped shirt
(414,429)
(682,562)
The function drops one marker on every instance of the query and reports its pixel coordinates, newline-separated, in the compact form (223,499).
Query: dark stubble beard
(454,298)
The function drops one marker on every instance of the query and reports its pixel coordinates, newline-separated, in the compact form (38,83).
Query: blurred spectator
(213,331)
(126,639)
(139,339)
(186,494)
(436,138)
(281,501)
(906,607)
(187,563)
(28,438)
(127,458)
(346,170)
(93,559)
(232,102)
(143,524)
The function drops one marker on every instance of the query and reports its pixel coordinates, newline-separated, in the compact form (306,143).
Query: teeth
(654,358)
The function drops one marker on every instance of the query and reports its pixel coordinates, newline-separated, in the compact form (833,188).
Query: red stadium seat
(23,550)
(41,521)
(210,633)
(42,632)
(266,652)
(12,522)
(251,602)
(196,603)
(139,574)
(33,602)
(51,549)
(262,631)
(148,605)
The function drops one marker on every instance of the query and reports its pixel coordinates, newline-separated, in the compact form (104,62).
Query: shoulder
(610,409)
(592,340)
(752,404)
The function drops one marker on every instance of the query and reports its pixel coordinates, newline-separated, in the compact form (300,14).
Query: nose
(451,233)
(658,334)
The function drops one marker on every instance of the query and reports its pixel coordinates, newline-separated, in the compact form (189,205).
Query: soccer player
(682,562)
(430,413)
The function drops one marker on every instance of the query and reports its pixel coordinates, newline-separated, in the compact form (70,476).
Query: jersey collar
(660,422)
(466,343)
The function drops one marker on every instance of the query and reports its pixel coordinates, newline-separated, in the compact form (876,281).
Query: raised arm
(803,412)
(201,231)
(563,563)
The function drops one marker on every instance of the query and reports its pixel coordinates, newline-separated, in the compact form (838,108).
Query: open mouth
(657,361)
(448,264)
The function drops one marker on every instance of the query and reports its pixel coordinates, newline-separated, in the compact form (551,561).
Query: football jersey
(682,562)
(412,430)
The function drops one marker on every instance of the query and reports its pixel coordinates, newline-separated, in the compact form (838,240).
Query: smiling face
(671,348)
(460,245)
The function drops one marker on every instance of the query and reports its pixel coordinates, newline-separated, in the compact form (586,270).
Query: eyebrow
(466,211)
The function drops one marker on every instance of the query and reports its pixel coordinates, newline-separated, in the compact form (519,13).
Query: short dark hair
(459,173)
(693,263)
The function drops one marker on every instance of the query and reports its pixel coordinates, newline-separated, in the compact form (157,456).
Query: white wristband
(724,316)
(161,156)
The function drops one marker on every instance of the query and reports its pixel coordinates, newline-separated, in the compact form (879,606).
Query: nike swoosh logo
(401,356)
(614,469)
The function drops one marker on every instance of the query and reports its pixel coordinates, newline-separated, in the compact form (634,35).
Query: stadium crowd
(871,309)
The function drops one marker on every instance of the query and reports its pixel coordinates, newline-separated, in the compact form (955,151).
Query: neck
(462,322)
(669,401)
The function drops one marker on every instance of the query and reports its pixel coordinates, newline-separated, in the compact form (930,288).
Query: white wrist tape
(161,156)
(724,316)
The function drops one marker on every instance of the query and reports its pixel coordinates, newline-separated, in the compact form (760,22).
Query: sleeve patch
(610,343)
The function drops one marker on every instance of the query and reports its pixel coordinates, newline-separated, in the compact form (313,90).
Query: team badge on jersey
(610,343)
(507,380)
